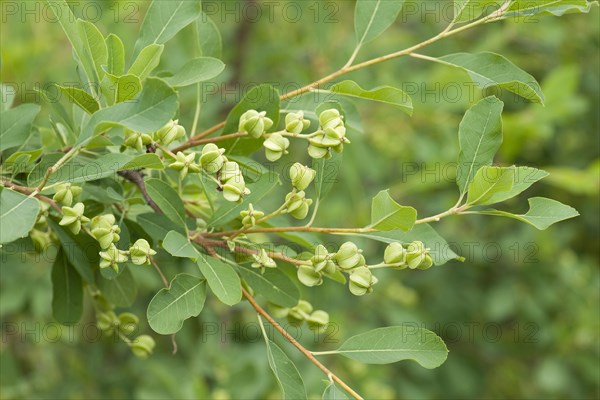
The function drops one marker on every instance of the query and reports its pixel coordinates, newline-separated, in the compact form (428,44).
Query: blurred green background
(520,316)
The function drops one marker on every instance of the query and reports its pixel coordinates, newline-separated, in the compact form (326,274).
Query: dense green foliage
(517,309)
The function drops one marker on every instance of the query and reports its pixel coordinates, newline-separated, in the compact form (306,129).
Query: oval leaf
(15,125)
(179,245)
(167,200)
(490,69)
(542,213)
(195,71)
(480,137)
(383,94)
(67,291)
(148,112)
(222,280)
(373,17)
(18,214)
(120,291)
(396,343)
(287,375)
(387,215)
(169,308)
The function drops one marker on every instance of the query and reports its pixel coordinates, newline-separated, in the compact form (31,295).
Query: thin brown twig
(302,349)
(137,178)
(28,190)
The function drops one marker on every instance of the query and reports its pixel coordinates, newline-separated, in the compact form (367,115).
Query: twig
(29,191)
(302,349)
(137,178)
(199,142)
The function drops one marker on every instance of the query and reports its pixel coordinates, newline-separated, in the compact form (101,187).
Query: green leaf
(261,98)
(490,69)
(15,125)
(93,47)
(197,70)
(489,181)
(180,246)
(78,255)
(273,285)
(164,19)
(222,279)
(542,213)
(120,291)
(157,226)
(71,27)
(108,164)
(287,375)
(169,308)
(230,211)
(387,215)
(523,178)
(440,250)
(67,291)
(383,94)
(468,10)
(373,17)
(149,112)
(121,88)
(167,200)
(115,62)
(7,96)
(396,343)
(209,37)
(80,97)
(145,161)
(332,392)
(327,172)
(522,8)
(146,61)
(480,137)
(18,214)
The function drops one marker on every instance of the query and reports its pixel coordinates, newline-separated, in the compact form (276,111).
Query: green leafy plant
(158,186)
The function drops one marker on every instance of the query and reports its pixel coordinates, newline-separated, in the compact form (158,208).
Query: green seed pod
(317,151)
(415,254)
(395,254)
(295,123)
(361,281)
(331,118)
(322,261)
(185,163)
(170,132)
(141,252)
(276,146)
(73,217)
(142,346)
(107,321)
(262,260)
(278,311)
(231,170)
(300,312)
(318,320)
(137,140)
(250,216)
(103,221)
(308,276)
(128,323)
(212,158)
(65,193)
(426,263)
(254,123)
(235,189)
(41,240)
(301,176)
(302,211)
(348,256)
(112,257)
